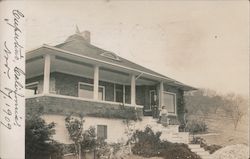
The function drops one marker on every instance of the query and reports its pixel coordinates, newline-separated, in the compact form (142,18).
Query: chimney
(86,35)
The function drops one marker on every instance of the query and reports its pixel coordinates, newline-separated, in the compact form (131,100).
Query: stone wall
(66,106)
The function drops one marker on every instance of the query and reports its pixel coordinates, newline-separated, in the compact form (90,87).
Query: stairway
(199,151)
(170,133)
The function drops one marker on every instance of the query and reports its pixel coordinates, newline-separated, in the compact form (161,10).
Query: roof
(78,44)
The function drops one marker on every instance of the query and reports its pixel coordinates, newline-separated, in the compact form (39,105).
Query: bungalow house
(78,77)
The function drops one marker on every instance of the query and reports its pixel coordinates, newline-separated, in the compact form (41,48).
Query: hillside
(220,113)
(221,130)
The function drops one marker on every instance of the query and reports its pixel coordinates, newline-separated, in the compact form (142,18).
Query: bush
(196,126)
(38,139)
(177,151)
(212,148)
(148,144)
(202,142)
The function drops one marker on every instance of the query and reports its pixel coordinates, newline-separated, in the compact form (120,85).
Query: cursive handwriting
(6,57)
(12,92)
(17,31)
(18,86)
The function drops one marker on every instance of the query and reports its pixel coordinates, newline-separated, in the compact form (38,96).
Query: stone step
(193,146)
(207,157)
(205,153)
(198,150)
(176,141)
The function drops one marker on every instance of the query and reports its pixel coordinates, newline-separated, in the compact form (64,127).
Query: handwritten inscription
(13,55)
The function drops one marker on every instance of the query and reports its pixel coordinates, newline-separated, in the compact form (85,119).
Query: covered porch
(53,71)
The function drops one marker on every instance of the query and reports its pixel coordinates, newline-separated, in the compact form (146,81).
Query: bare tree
(233,106)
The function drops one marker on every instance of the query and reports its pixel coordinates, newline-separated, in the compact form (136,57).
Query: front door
(153,105)
(152,98)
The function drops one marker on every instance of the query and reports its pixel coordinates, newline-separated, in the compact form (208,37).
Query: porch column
(46,73)
(161,94)
(133,90)
(96,82)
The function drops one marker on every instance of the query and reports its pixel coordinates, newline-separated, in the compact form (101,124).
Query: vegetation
(148,144)
(83,139)
(121,113)
(75,129)
(38,138)
(202,142)
(196,126)
(204,102)
(233,107)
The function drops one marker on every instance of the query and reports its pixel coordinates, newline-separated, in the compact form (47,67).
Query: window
(111,55)
(31,89)
(169,100)
(119,93)
(86,90)
(102,131)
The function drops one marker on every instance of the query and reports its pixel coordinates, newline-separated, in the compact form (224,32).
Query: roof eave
(160,78)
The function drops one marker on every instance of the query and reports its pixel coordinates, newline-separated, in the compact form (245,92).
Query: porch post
(133,90)
(46,73)
(161,94)
(96,82)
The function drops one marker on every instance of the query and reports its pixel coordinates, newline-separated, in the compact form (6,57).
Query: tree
(75,129)
(130,129)
(203,100)
(233,105)
(38,138)
(83,139)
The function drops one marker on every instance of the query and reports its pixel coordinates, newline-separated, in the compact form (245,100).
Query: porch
(74,78)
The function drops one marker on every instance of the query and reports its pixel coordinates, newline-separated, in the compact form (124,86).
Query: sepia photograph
(121,79)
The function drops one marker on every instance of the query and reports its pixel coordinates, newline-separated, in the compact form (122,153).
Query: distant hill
(220,113)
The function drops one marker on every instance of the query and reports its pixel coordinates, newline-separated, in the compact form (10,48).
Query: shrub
(202,142)
(212,148)
(177,151)
(196,126)
(197,140)
(38,139)
(148,144)
(122,113)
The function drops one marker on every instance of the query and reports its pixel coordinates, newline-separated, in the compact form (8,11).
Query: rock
(238,151)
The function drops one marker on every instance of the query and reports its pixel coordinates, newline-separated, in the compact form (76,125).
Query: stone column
(133,90)
(161,89)
(96,82)
(46,73)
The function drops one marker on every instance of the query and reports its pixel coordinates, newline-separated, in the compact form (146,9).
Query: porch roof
(77,46)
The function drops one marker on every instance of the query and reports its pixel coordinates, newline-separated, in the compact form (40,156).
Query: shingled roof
(79,43)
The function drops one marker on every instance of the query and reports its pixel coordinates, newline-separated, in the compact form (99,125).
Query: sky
(204,44)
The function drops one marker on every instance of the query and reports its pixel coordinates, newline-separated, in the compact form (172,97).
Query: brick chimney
(86,35)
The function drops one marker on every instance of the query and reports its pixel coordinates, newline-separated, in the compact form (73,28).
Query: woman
(163,116)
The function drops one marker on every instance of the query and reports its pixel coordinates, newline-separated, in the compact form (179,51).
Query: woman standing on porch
(163,115)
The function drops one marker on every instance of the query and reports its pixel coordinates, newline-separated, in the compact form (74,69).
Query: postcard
(120,79)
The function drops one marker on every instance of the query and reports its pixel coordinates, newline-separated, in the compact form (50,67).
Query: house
(78,77)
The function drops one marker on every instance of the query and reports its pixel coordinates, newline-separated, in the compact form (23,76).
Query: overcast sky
(203,44)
